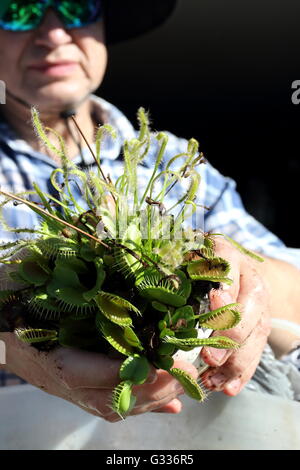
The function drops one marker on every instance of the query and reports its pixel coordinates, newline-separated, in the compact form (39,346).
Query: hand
(231,370)
(87,379)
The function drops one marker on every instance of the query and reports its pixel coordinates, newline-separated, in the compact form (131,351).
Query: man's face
(52,67)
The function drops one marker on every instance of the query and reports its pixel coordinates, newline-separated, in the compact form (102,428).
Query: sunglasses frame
(56,4)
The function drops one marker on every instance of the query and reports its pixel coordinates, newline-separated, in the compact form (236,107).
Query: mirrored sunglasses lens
(22,15)
(80,12)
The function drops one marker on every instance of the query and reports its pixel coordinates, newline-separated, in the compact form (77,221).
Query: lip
(60,68)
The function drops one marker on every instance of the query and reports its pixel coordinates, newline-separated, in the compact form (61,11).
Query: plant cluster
(119,274)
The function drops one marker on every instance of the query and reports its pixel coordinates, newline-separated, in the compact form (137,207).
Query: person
(54,55)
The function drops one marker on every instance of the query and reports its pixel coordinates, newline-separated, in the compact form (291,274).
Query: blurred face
(52,67)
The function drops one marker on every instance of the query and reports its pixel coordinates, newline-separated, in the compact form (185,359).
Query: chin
(60,96)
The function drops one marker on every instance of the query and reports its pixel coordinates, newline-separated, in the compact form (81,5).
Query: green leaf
(114,335)
(32,272)
(35,335)
(132,239)
(185,287)
(166,349)
(183,317)
(46,308)
(214,270)
(221,319)
(162,295)
(190,386)
(164,362)
(62,278)
(115,308)
(89,295)
(132,338)
(72,297)
(166,332)
(188,333)
(154,287)
(73,264)
(159,306)
(58,247)
(222,342)
(136,369)
(122,399)
(6,295)
(87,252)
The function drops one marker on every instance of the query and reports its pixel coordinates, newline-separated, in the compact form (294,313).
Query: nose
(51,32)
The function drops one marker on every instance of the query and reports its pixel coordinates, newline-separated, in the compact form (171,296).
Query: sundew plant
(123,275)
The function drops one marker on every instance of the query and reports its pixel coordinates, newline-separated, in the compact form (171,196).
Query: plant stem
(54,217)
(93,154)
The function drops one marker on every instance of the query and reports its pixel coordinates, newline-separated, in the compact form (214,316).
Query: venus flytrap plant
(127,278)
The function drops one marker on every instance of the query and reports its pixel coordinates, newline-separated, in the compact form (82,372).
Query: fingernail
(218,380)
(178,389)
(218,355)
(225,296)
(152,377)
(234,386)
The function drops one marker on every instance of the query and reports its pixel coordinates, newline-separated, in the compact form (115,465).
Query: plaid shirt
(20,166)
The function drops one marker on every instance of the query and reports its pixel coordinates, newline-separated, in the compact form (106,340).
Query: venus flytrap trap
(126,278)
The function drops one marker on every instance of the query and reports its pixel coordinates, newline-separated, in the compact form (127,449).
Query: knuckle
(60,370)
(264,326)
(95,406)
(112,418)
(235,366)
(67,379)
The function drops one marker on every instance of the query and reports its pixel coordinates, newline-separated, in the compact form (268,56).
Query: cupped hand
(87,379)
(231,369)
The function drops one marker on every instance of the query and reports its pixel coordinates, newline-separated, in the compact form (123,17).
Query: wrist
(5,341)
(2,353)
(283,280)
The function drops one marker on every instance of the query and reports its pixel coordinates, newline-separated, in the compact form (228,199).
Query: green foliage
(190,386)
(222,318)
(125,276)
(136,369)
(31,335)
(122,399)
(221,342)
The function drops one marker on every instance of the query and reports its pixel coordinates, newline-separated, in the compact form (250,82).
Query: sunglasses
(26,15)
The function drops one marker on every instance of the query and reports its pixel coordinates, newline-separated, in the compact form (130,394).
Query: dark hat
(127,19)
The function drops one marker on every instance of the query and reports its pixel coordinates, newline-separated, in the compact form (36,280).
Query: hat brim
(128,19)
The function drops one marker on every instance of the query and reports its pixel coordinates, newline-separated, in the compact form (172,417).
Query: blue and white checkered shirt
(20,166)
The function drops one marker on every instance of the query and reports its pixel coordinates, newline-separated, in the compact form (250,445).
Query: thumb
(218,298)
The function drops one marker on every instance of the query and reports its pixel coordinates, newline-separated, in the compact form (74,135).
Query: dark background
(221,71)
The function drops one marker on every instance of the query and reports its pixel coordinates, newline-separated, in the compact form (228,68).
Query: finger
(234,386)
(96,402)
(163,391)
(148,396)
(252,303)
(226,294)
(241,365)
(173,407)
